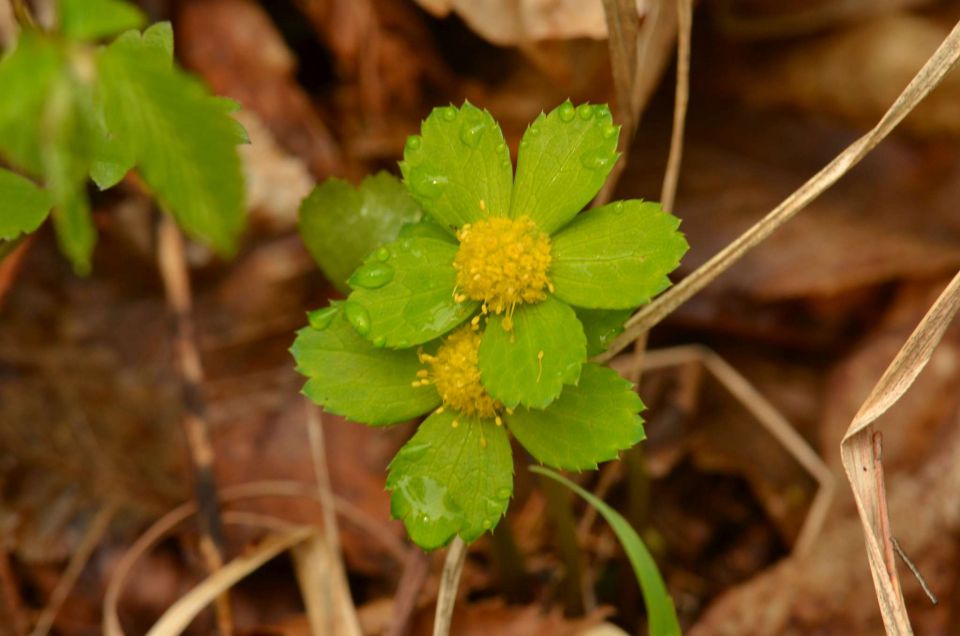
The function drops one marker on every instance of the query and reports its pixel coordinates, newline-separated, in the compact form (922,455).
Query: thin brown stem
(10,603)
(176,281)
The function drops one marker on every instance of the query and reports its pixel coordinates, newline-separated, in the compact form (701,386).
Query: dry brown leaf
(862,456)
(509,22)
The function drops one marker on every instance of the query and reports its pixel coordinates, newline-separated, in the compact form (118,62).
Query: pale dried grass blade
(326,595)
(932,73)
(860,453)
(771,419)
(449,581)
(179,616)
(681,98)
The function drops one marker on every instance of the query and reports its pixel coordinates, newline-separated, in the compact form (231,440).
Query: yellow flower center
(454,372)
(502,262)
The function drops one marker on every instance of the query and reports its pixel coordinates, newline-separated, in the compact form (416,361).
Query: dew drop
(596,160)
(505,164)
(523,143)
(426,184)
(413,143)
(449,113)
(603,112)
(372,276)
(503,493)
(567,111)
(379,342)
(358,316)
(383,254)
(320,319)
(610,131)
(472,132)
(534,129)
(487,524)
(585,111)
(501,147)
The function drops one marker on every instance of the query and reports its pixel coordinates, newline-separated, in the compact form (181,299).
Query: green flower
(483,314)
(455,475)
(514,250)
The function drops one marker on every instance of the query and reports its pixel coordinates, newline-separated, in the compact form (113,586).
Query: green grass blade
(660,610)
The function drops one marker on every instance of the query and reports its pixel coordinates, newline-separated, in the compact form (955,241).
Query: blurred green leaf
(342,225)
(183,139)
(23,206)
(601,326)
(95,19)
(661,614)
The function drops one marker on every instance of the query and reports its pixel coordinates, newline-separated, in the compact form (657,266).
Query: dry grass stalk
(861,453)
(449,581)
(681,98)
(932,73)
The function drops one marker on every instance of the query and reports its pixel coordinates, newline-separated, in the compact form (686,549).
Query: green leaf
(427,228)
(27,76)
(588,424)
(403,294)
(564,159)
(459,168)
(23,206)
(662,616)
(66,159)
(341,225)
(348,376)
(450,480)
(183,139)
(95,19)
(616,256)
(601,326)
(530,364)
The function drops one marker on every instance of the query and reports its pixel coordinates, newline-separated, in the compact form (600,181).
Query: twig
(10,604)
(681,98)
(176,282)
(913,568)
(408,590)
(925,81)
(449,581)
(22,13)
(91,539)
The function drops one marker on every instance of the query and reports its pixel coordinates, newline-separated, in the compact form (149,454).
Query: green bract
(415,336)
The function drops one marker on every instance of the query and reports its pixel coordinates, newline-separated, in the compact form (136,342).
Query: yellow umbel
(453,370)
(502,262)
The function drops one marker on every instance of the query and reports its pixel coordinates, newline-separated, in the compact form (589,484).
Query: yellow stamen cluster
(502,262)
(454,372)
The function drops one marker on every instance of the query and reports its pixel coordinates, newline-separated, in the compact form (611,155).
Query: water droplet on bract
(523,143)
(449,113)
(379,342)
(585,111)
(610,131)
(501,147)
(506,164)
(358,316)
(567,111)
(503,493)
(487,524)
(383,254)
(413,143)
(472,132)
(320,319)
(596,160)
(602,111)
(426,184)
(372,276)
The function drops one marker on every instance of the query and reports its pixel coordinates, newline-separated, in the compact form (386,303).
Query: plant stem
(449,581)
(176,281)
